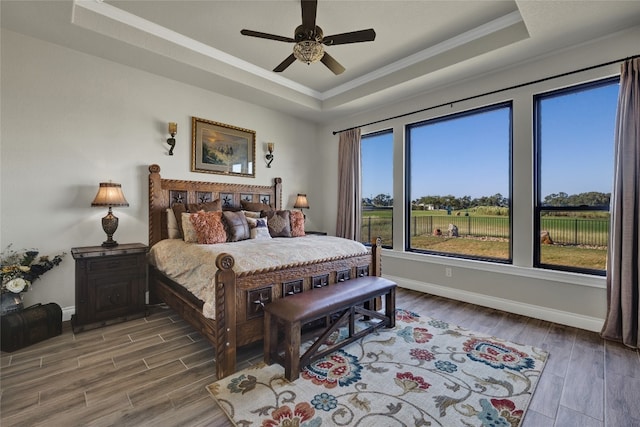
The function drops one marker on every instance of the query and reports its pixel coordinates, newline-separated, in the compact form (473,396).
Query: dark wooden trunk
(31,325)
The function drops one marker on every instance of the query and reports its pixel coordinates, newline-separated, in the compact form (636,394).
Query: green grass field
(483,235)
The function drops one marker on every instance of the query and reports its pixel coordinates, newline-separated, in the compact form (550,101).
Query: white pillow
(190,235)
(260,231)
(172,225)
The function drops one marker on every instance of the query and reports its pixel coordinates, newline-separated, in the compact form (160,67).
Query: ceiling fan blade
(332,64)
(267,36)
(351,37)
(284,64)
(309,9)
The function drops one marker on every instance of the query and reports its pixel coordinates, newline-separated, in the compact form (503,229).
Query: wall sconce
(173,130)
(302,203)
(269,155)
(110,194)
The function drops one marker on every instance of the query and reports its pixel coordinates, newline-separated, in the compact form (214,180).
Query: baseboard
(544,313)
(67,312)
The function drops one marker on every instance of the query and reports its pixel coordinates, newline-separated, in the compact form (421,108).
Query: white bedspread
(193,265)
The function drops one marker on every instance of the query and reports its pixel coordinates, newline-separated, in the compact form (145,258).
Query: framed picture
(222,149)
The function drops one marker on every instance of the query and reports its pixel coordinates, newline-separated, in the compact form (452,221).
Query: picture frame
(222,149)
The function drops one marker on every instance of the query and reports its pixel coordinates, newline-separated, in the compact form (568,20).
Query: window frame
(407,177)
(538,207)
(374,134)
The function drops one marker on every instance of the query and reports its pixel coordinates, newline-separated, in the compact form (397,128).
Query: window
(377,187)
(574,145)
(458,184)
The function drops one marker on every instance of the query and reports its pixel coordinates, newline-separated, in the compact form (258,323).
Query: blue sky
(577,141)
(469,155)
(377,159)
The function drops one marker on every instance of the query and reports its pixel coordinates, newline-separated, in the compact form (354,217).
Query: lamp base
(109,243)
(109,225)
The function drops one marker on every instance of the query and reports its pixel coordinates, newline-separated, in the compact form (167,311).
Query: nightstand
(111,285)
(321,233)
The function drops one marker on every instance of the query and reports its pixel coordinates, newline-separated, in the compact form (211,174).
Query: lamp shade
(109,194)
(301,201)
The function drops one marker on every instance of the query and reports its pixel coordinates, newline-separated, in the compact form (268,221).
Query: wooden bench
(338,304)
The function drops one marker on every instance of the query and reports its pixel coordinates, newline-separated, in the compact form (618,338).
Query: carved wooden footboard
(239,298)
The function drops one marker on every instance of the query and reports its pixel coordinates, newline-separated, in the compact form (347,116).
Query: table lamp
(109,194)
(302,203)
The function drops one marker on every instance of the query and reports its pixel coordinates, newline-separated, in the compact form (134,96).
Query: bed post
(225,316)
(155,205)
(376,256)
(277,183)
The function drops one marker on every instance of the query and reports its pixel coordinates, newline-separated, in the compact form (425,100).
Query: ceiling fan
(309,40)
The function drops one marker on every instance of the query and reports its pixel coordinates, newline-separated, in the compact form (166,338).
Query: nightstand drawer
(109,265)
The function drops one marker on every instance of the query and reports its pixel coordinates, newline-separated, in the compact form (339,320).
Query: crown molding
(491,27)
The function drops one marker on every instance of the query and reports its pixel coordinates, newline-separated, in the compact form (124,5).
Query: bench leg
(368,305)
(390,307)
(270,349)
(292,350)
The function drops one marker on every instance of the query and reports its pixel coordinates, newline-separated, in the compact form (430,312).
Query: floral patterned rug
(423,372)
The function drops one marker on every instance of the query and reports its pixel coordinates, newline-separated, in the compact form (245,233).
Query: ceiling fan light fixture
(308,51)
(310,41)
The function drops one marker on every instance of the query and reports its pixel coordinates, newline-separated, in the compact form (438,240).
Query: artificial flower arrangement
(20,269)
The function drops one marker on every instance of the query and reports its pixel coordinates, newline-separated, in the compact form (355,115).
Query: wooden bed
(239,298)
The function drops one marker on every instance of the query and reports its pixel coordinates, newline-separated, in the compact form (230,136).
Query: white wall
(71,120)
(573,299)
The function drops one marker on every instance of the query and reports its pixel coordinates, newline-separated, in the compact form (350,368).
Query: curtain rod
(568,73)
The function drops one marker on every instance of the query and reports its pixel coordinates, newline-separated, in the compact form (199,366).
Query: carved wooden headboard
(165,192)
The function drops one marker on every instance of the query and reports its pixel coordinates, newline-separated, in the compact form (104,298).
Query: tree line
(592,198)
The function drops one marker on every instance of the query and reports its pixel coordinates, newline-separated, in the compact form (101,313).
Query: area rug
(423,372)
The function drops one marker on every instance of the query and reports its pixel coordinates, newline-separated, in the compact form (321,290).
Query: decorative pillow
(237,226)
(279,223)
(180,208)
(214,206)
(255,207)
(251,214)
(208,227)
(297,223)
(253,222)
(172,225)
(189,234)
(232,208)
(260,231)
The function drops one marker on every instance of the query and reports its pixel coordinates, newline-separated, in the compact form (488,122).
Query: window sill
(519,271)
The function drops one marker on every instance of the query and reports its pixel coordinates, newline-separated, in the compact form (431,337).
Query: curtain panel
(349,173)
(623,290)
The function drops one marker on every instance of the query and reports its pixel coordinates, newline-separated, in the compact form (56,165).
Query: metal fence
(565,231)
(577,231)
(374,226)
